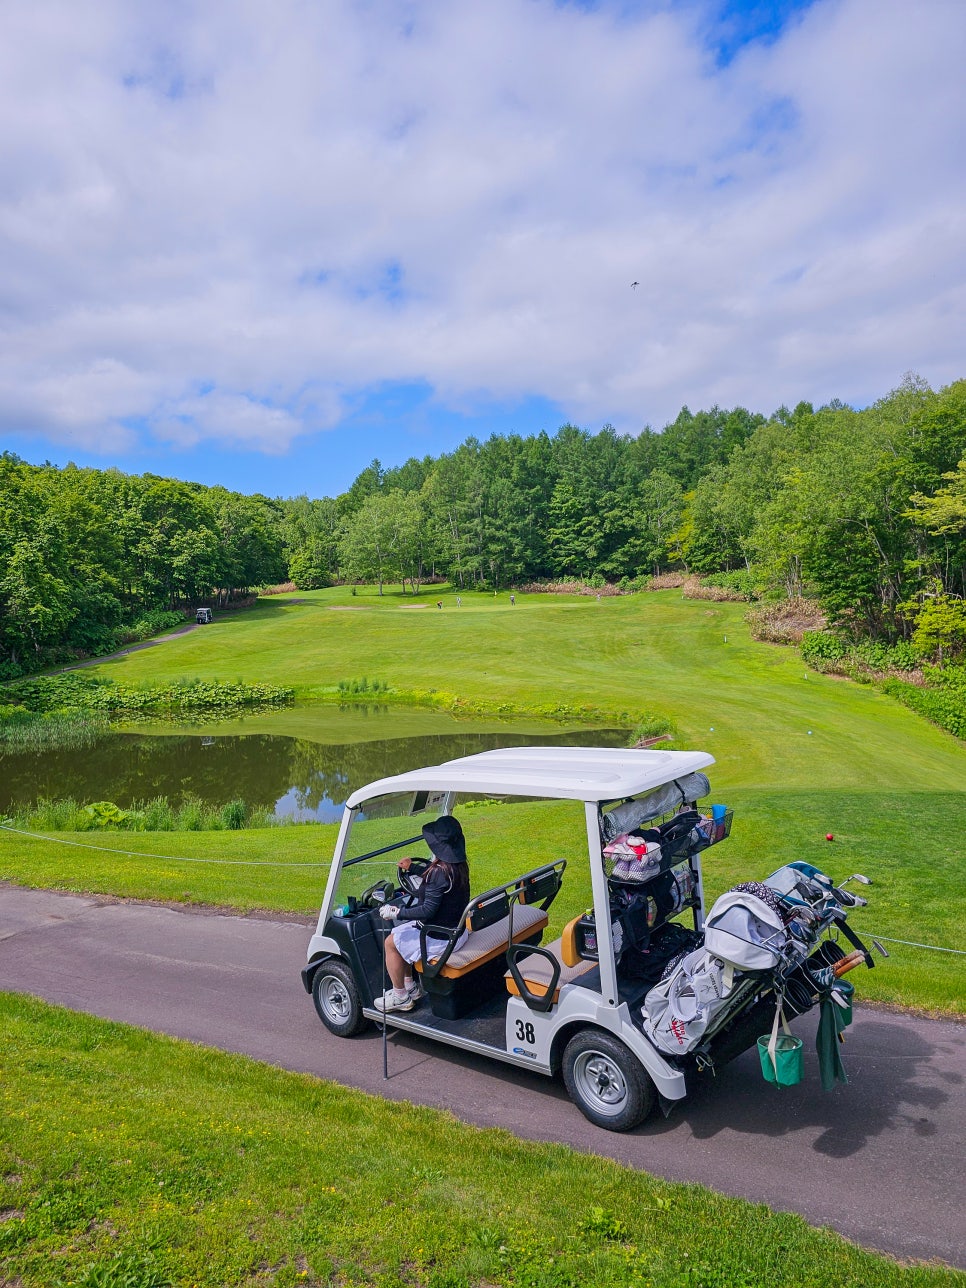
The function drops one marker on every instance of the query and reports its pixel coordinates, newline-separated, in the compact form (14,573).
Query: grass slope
(133,1161)
(752,705)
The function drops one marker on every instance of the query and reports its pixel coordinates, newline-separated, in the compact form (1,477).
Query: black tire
(606,1081)
(337,1000)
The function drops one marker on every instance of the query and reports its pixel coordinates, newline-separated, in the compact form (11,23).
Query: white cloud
(286,205)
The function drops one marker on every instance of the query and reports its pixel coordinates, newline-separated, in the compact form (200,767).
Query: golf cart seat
(537,970)
(459,979)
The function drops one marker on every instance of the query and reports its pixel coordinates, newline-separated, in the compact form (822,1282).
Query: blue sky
(262,245)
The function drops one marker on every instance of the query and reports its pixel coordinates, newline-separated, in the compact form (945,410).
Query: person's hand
(388,911)
(404,864)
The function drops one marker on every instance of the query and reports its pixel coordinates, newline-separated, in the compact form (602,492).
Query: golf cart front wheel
(337,1000)
(606,1082)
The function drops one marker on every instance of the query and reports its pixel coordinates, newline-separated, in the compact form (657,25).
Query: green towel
(834,1020)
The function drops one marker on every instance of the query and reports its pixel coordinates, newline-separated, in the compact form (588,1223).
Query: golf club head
(879,949)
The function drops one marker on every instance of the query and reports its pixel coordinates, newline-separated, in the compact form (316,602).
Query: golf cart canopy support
(556,773)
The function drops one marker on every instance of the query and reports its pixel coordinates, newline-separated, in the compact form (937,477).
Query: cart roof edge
(556,773)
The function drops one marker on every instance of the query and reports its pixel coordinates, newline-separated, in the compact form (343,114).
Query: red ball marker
(829,836)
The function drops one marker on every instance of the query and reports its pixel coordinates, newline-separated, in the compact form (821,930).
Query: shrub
(876,655)
(786,621)
(596,585)
(73,691)
(695,588)
(151,623)
(649,727)
(744,583)
(822,646)
(942,699)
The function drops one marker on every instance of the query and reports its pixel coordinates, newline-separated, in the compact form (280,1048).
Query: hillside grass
(750,704)
(129,1160)
(909,846)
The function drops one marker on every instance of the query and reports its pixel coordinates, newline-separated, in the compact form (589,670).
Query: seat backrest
(569,954)
(488,908)
(541,885)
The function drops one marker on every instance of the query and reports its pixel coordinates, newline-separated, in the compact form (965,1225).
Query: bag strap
(773,1040)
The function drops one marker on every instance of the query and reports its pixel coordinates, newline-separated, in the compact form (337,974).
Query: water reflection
(293,777)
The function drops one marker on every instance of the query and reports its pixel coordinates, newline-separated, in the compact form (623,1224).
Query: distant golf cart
(640,993)
(203,616)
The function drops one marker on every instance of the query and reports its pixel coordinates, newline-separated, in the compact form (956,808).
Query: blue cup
(718,821)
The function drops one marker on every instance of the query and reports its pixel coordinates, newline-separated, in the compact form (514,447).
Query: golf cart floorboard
(486,1024)
(484,1030)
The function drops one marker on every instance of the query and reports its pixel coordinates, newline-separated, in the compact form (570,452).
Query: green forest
(863,511)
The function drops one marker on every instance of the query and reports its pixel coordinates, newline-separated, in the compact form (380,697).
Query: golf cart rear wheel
(606,1082)
(337,1000)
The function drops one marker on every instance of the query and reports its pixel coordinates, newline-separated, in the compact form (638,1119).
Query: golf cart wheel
(337,1000)
(606,1082)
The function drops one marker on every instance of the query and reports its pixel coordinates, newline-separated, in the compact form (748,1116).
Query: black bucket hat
(444,836)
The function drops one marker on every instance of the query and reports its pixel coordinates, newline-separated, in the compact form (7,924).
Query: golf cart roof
(557,773)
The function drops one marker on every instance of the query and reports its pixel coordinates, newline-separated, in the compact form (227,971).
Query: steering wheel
(410,878)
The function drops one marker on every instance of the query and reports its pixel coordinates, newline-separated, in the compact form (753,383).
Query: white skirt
(406,938)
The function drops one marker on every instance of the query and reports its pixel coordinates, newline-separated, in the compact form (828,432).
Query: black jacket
(438,902)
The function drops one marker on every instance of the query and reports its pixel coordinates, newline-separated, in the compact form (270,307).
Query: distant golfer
(513,599)
(439,603)
(459,602)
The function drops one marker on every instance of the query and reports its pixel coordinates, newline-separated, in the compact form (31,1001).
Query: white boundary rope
(166,858)
(910,943)
(269,863)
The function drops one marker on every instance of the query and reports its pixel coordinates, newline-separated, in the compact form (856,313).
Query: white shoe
(394,1000)
(415,990)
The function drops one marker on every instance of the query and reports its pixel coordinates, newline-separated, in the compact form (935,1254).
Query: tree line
(863,510)
(86,555)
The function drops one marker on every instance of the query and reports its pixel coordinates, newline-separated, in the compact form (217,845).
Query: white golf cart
(577,1004)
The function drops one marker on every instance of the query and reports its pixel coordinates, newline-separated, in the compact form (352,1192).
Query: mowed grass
(908,845)
(768,721)
(129,1160)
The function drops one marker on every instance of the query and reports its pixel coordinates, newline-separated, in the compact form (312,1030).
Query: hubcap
(601,1082)
(334,999)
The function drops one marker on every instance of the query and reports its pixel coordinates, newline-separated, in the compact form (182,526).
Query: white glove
(388,911)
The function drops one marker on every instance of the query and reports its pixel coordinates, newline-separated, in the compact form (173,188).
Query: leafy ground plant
(129,1160)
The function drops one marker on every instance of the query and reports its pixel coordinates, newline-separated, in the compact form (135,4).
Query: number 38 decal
(525,1033)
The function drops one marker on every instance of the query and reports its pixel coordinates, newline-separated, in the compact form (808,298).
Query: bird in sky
(635,284)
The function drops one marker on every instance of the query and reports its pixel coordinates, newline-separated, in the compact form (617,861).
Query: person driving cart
(440,900)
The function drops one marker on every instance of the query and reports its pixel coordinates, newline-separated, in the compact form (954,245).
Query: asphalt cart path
(880,1160)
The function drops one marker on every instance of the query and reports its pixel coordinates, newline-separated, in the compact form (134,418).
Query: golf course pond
(300,764)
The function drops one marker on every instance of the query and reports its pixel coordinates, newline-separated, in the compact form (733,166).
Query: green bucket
(782,1060)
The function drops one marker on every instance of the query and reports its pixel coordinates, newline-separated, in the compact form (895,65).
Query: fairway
(769,722)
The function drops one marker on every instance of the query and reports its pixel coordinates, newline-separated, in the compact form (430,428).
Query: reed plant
(27,731)
(155,815)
